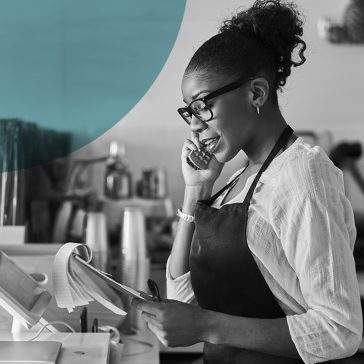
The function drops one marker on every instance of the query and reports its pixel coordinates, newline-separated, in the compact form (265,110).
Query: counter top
(76,348)
(93,348)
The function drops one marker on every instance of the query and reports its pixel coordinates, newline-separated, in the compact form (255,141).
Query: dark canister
(153,184)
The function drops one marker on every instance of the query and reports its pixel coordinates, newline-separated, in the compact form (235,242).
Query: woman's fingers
(188,145)
(150,319)
(157,332)
(191,144)
(146,295)
(196,140)
(149,306)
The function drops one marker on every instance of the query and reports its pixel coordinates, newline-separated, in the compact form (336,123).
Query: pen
(153,287)
(83,319)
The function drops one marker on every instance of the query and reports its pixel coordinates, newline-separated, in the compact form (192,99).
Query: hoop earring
(258,111)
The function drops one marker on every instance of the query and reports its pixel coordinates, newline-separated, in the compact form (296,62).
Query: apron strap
(231,184)
(281,142)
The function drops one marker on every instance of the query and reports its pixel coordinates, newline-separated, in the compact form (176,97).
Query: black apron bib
(224,275)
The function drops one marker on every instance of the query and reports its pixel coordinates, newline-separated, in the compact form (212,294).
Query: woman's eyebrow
(196,95)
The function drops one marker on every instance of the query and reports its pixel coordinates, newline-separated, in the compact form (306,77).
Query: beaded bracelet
(184,216)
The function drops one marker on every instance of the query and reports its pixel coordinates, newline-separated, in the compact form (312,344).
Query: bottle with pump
(118,181)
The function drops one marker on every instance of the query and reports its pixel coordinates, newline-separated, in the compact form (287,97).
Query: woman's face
(232,121)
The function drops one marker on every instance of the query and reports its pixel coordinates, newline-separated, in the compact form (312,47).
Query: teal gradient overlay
(78,66)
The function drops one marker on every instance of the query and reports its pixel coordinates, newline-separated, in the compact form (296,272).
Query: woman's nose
(197,125)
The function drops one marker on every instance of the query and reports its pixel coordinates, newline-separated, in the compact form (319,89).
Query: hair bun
(278,25)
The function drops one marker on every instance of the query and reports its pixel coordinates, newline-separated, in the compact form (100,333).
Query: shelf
(162,208)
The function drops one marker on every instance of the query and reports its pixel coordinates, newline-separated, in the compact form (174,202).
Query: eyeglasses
(199,107)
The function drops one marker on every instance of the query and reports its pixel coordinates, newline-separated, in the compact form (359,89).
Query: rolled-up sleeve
(317,232)
(179,288)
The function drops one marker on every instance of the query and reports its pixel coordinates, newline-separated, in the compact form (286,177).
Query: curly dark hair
(259,39)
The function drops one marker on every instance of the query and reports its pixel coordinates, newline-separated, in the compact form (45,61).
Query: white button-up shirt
(301,233)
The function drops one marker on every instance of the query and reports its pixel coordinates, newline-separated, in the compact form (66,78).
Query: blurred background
(79,109)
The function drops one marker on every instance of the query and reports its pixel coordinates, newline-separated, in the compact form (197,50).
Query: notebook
(76,282)
(35,352)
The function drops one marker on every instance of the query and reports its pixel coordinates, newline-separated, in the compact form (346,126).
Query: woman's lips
(210,144)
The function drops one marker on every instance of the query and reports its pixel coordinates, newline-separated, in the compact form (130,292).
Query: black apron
(224,274)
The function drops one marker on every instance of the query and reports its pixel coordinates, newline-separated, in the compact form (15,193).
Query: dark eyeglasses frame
(220,91)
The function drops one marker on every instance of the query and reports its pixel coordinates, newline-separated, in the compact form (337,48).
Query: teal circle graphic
(70,70)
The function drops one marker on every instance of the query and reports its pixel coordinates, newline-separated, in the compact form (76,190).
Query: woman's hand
(194,177)
(174,323)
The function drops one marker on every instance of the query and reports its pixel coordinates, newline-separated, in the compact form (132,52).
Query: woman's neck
(265,138)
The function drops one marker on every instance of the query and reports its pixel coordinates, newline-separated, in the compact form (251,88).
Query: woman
(268,259)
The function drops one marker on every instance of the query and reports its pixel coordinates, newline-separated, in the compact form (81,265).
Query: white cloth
(301,232)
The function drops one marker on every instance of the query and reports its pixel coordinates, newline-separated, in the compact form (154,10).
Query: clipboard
(117,286)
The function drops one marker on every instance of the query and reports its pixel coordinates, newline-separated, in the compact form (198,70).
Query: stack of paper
(76,282)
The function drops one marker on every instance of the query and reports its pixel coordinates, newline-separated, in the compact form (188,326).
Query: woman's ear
(259,92)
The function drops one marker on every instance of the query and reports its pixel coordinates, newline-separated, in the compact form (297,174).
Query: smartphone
(199,159)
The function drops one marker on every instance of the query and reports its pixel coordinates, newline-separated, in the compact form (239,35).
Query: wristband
(184,216)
